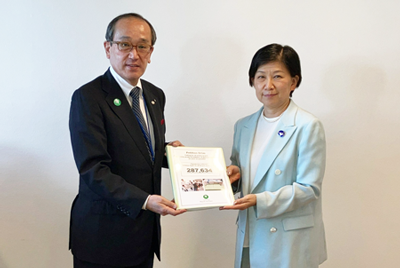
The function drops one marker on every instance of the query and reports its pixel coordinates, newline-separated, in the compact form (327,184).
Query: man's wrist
(145,203)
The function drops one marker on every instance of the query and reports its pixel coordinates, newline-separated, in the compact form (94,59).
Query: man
(118,138)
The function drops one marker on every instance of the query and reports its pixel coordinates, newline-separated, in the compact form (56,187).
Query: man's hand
(175,143)
(242,203)
(233,173)
(163,206)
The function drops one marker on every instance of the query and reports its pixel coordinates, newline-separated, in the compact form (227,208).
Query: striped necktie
(139,116)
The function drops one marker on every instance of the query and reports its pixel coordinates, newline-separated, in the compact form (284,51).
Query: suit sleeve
(89,144)
(235,158)
(310,170)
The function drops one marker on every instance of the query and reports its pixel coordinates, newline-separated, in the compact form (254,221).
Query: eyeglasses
(141,48)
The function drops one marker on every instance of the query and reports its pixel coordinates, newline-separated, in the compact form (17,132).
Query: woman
(279,155)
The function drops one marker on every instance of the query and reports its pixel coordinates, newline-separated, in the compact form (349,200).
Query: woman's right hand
(233,173)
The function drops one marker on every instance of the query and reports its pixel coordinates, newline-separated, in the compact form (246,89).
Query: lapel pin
(153,101)
(281,133)
(162,121)
(117,102)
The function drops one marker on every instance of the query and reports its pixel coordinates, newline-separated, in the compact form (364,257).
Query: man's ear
(151,52)
(107,47)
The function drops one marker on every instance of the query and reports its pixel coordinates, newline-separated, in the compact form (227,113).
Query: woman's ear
(295,80)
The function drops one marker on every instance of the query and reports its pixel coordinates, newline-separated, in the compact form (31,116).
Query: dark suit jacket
(116,174)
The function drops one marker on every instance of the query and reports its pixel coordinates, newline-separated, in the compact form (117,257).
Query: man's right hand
(163,206)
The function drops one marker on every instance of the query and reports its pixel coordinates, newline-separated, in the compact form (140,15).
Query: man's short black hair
(111,26)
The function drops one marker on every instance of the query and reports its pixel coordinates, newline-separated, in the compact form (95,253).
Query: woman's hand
(233,173)
(242,203)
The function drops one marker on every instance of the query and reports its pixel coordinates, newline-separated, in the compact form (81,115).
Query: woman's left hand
(242,203)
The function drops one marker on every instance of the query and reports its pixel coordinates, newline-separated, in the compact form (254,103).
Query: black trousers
(148,263)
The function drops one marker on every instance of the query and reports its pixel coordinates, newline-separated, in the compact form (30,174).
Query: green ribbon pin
(117,102)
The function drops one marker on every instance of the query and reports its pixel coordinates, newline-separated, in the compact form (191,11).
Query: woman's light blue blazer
(285,227)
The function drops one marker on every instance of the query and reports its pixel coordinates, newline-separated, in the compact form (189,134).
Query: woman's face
(273,85)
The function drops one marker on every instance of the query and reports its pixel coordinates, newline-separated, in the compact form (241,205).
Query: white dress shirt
(127,88)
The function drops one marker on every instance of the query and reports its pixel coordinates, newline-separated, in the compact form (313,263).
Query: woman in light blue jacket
(278,163)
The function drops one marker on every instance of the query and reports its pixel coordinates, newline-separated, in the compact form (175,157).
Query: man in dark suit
(118,138)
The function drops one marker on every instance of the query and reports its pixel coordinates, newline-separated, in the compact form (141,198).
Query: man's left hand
(175,143)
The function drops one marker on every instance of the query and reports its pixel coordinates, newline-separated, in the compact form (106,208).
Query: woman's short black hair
(275,52)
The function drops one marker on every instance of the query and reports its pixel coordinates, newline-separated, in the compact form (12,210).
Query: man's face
(129,65)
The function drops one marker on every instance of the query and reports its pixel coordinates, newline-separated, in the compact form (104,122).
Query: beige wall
(350,53)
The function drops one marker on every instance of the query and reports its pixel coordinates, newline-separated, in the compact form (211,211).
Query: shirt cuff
(145,203)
